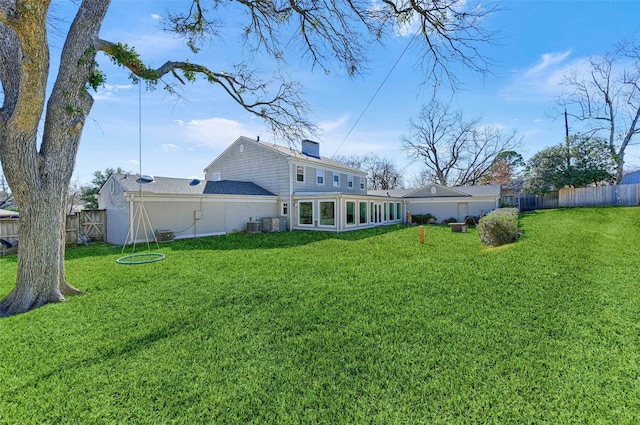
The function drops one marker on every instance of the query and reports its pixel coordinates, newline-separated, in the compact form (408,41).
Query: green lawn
(364,327)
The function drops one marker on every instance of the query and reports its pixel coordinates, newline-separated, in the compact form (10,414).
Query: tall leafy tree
(584,160)
(330,34)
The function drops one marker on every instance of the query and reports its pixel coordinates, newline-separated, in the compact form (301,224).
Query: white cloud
(543,80)
(548,61)
(335,124)
(155,16)
(110,91)
(169,147)
(215,132)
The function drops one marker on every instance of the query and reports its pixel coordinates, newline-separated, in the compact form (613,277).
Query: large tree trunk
(40,278)
(39,178)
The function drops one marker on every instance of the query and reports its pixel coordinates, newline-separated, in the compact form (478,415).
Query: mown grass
(361,327)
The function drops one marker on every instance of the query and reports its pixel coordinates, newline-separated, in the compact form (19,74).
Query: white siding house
(187,208)
(314,192)
(252,180)
(449,202)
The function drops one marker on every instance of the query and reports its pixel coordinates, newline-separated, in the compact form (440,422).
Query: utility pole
(568,142)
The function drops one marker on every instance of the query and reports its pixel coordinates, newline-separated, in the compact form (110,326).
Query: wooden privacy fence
(533,202)
(89,223)
(620,195)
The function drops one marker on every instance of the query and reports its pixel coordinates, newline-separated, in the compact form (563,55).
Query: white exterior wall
(112,199)
(192,216)
(458,208)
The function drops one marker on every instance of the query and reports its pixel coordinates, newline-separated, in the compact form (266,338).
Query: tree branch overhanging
(278,102)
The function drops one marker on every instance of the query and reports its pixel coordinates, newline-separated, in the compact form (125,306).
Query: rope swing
(140,222)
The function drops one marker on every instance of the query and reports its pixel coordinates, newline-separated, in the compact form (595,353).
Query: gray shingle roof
(394,193)
(483,190)
(171,185)
(230,187)
(480,190)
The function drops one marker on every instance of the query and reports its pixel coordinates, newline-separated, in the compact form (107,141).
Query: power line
(376,92)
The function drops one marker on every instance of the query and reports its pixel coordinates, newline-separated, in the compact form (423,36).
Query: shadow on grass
(236,241)
(117,348)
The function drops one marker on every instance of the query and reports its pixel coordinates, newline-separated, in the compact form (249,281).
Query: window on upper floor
(336,180)
(300,174)
(320,176)
(363,183)
(216,177)
(350,182)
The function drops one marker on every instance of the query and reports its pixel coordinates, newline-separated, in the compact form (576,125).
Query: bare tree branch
(454,151)
(607,100)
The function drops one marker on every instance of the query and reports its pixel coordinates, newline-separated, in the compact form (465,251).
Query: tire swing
(140,222)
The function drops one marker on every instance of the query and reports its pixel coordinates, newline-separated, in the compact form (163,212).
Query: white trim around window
(350,214)
(326,213)
(336,179)
(299,173)
(320,177)
(362,212)
(304,207)
(350,182)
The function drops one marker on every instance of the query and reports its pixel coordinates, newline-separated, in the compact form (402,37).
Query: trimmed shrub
(450,220)
(499,227)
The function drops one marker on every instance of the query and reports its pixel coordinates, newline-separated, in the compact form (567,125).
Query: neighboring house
(448,202)
(631,178)
(188,208)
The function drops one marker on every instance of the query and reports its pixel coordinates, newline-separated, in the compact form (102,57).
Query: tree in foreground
(382,173)
(583,161)
(453,150)
(330,34)
(606,100)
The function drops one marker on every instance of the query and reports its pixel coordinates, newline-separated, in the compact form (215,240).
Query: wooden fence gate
(85,224)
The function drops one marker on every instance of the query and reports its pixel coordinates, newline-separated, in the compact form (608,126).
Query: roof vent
(194,182)
(145,179)
(311,148)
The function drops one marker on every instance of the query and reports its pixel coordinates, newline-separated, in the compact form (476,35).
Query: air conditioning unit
(270,224)
(253,227)
(164,235)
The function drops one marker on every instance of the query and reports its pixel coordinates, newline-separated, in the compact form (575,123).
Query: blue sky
(180,135)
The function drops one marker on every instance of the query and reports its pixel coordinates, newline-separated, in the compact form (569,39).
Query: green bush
(499,227)
(423,218)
